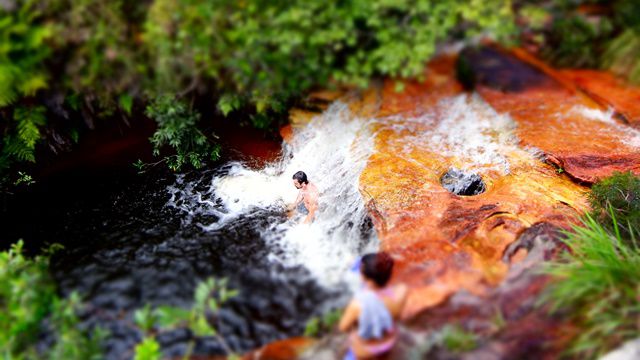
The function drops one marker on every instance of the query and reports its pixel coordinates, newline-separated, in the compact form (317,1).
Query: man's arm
(297,202)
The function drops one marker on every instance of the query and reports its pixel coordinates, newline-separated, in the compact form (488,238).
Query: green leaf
(171,317)
(148,349)
(126,103)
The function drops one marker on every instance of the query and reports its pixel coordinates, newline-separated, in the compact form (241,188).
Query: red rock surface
(610,92)
(446,243)
(468,258)
(569,127)
(282,350)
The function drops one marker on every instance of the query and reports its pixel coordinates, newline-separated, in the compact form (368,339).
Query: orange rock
(299,117)
(286,132)
(281,350)
(445,243)
(567,126)
(610,92)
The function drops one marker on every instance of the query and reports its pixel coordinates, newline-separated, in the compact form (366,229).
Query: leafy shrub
(317,326)
(576,42)
(456,339)
(588,33)
(596,286)
(254,56)
(622,54)
(263,51)
(619,194)
(31,308)
(209,296)
(23,52)
(177,129)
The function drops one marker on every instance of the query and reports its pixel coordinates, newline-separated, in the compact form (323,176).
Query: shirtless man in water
(308,196)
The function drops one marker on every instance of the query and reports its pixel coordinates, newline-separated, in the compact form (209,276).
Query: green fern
(20,144)
(177,129)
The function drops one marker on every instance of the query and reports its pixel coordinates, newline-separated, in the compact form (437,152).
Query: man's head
(377,267)
(300,179)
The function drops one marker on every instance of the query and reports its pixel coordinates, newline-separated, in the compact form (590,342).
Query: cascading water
(464,127)
(132,240)
(332,149)
(628,135)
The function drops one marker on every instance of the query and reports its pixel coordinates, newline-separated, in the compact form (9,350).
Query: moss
(617,199)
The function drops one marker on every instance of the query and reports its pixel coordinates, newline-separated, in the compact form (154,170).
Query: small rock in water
(461,183)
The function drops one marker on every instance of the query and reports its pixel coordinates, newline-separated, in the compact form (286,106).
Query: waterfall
(332,150)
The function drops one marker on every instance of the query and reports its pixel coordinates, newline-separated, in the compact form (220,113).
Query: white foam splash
(631,136)
(464,127)
(332,150)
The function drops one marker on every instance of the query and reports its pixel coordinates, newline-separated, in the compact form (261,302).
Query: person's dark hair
(301,177)
(377,267)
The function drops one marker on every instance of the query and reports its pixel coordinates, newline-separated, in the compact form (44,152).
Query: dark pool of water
(124,248)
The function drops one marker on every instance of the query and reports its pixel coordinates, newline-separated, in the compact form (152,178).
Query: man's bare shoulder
(312,189)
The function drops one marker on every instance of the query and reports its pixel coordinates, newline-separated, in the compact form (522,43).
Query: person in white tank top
(370,315)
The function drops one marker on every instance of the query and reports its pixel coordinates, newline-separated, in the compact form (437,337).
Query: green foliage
(617,200)
(622,54)
(148,349)
(607,36)
(24,179)
(177,129)
(22,52)
(103,59)
(20,144)
(575,41)
(253,56)
(28,297)
(596,286)
(535,17)
(19,140)
(209,296)
(317,326)
(456,339)
(262,52)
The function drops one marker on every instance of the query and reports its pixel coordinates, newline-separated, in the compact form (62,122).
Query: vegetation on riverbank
(596,281)
(64,64)
(35,323)
(209,296)
(585,33)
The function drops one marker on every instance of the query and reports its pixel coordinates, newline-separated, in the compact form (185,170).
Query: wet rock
(489,67)
(443,243)
(462,183)
(541,239)
(610,92)
(575,132)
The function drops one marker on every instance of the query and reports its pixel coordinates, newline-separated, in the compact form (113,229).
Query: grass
(458,340)
(597,286)
(320,325)
(620,195)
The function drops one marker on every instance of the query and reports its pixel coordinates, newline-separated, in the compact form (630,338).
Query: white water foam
(631,136)
(332,150)
(464,127)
